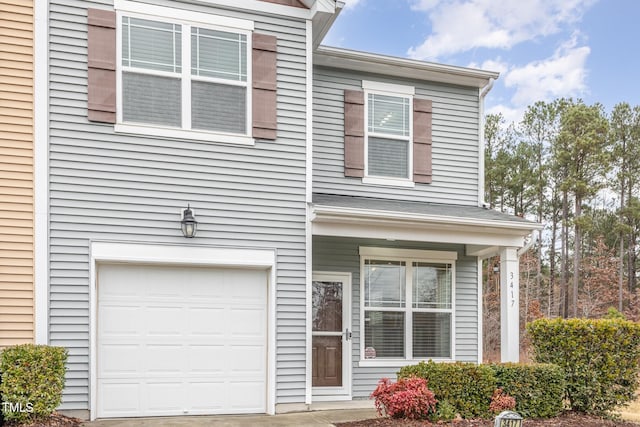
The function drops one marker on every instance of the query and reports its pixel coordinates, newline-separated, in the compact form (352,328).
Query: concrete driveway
(311,418)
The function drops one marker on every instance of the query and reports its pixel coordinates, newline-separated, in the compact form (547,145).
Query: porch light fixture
(188,224)
(508,419)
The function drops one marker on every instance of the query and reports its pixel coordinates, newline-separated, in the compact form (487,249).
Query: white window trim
(409,256)
(389,89)
(187,19)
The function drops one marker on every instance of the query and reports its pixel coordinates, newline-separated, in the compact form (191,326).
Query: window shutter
(422,140)
(264,73)
(101,41)
(353,133)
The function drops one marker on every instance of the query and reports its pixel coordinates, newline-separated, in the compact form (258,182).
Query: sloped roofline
(401,67)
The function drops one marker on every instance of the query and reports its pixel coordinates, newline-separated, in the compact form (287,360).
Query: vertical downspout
(482,94)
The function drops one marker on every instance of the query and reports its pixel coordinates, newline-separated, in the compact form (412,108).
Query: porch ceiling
(366,217)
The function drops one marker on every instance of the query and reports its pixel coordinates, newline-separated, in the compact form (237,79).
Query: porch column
(509,305)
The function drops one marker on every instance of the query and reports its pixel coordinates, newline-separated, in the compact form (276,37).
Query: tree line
(575,168)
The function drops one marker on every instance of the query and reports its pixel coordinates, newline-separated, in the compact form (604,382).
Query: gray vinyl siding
(342,255)
(121,187)
(455,140)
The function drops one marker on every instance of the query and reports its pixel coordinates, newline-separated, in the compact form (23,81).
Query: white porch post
(509,305)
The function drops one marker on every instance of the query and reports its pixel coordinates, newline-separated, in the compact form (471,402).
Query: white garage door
(181,340)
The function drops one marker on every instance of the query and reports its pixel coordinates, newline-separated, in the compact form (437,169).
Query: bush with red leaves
(501,402)
(407,398)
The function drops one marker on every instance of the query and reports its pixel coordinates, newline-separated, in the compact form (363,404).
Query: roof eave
(332,213)
(401,67)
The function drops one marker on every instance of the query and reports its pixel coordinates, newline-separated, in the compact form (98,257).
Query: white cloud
(461,25)
(561,75)
(510,114)
(492,65)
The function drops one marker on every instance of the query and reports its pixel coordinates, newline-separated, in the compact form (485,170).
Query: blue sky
(543,49)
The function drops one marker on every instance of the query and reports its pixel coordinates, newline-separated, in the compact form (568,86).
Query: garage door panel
(176,340)
(246,322)
(245,391)
(160,396)
(206,359)
(208,396)
(123,320)
(247,360)
(164,321)
(123,398)
(206,322)
(119,360)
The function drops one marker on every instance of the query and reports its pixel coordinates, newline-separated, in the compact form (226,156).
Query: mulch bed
(569,419)
(55,420)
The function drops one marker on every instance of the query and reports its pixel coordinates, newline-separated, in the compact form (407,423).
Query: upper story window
(184,75)
(387,135)
(180,74)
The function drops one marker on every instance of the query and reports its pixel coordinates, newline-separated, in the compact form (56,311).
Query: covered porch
(408,277)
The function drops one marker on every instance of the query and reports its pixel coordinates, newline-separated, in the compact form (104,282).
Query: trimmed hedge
(538,388)
(467,387)
(32,381)
(600,359)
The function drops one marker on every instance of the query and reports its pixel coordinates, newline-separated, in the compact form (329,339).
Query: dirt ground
(566,420)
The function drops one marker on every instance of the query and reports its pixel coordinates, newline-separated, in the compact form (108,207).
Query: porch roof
(397,219)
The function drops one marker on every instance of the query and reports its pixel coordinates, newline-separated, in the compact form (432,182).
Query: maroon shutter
(353,133)
(264,86)
(422,140)
(101,39)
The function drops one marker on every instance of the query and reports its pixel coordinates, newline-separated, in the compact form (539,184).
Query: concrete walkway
(311,418)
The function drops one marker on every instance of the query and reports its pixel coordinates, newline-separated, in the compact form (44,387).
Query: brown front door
(328,328)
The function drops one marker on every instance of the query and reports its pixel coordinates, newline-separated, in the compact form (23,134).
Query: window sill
(388,182)
(395,363)
(195,135)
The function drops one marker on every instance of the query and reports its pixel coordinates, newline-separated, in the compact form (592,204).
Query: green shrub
(537,388)
(445,411)
(466,386)
(600,359)
(32,381)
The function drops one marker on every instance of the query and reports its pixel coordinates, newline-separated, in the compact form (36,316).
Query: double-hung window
(407,304)
(182,75)
(388,132)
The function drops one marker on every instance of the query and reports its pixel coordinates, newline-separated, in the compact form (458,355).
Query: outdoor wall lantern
(508,419)
(188,224)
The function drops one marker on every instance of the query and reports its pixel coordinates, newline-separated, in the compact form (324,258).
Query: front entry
(331,337)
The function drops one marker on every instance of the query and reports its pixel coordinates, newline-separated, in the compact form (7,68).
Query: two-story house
(243,221)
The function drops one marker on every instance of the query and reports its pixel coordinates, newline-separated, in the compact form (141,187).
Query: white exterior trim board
(41,171)
(418,232)
(401,67)
(128,252)
(324,213)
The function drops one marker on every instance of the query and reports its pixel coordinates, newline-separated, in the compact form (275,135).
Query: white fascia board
(415,232)
(402,67)
(331,213)
(482,251)
(263,7)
